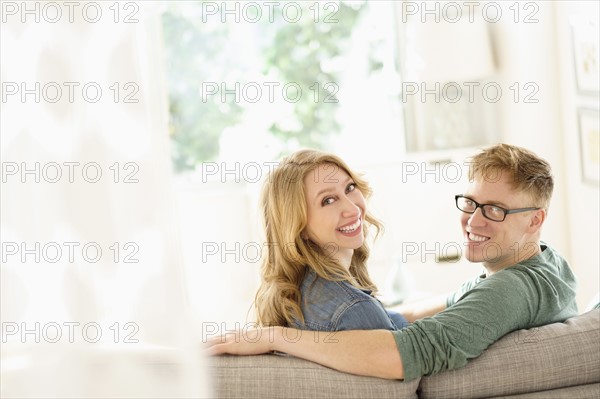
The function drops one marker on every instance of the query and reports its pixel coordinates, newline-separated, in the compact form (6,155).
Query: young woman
(314,275)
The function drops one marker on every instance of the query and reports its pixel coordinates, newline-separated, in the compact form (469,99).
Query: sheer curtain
(93,300)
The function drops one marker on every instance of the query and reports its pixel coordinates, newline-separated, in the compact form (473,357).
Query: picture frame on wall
(589,144)
(586,55)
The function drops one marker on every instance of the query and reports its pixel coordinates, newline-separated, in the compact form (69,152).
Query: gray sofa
(560,360)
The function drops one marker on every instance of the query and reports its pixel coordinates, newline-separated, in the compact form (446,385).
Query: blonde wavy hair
(288,255)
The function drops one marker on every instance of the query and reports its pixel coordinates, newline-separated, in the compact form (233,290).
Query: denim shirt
(337,305)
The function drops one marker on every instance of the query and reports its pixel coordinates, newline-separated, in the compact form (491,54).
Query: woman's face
(336,211)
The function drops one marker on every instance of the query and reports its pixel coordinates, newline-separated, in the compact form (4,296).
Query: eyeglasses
(489,211)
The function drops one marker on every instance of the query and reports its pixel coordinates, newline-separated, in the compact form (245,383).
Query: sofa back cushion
(542,358)
(282,376)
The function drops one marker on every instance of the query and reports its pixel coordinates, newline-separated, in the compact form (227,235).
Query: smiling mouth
(352,228)
(476,237)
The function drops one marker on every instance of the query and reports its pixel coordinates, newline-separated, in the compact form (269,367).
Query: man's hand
(251,342)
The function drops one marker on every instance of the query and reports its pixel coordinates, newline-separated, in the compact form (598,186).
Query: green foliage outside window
(302,52)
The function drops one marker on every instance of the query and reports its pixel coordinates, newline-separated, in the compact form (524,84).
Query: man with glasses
(526,284)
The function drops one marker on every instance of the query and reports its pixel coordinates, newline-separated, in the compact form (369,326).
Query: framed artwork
(586,56)
(589,144)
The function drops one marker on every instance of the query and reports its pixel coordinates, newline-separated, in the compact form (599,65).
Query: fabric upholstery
(543,358)
(560,360)
(280,376)
(590,391)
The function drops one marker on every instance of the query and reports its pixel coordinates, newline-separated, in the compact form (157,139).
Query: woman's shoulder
(318,287)
(337,305)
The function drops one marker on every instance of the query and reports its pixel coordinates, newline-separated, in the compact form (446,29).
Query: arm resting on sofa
(363,352)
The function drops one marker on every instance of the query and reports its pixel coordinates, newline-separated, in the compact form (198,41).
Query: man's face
(500,244)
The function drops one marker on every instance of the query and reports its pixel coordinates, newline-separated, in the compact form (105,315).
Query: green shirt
(537,291)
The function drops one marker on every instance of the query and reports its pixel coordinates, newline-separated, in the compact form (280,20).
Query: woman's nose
(350,209)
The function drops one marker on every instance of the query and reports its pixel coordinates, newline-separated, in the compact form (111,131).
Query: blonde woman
(314,275)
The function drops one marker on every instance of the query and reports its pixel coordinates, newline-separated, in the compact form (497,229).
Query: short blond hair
(530,173)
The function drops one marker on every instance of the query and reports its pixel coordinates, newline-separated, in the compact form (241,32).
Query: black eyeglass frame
(478,205)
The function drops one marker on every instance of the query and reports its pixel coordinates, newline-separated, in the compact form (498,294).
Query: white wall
(217,221)
(582,200)
(527,54)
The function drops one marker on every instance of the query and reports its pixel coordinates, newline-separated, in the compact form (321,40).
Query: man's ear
(537,220)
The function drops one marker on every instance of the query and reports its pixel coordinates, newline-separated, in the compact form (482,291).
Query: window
(254,81)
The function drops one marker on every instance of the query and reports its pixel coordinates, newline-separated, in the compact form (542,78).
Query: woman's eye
(328,201)
(351,187)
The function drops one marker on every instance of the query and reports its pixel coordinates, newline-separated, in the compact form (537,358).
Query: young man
(526,284)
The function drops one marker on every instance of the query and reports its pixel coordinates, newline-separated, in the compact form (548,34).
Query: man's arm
(423,308)
(363,352)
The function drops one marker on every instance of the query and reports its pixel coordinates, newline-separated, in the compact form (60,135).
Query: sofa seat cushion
(282,376)
(543,358)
